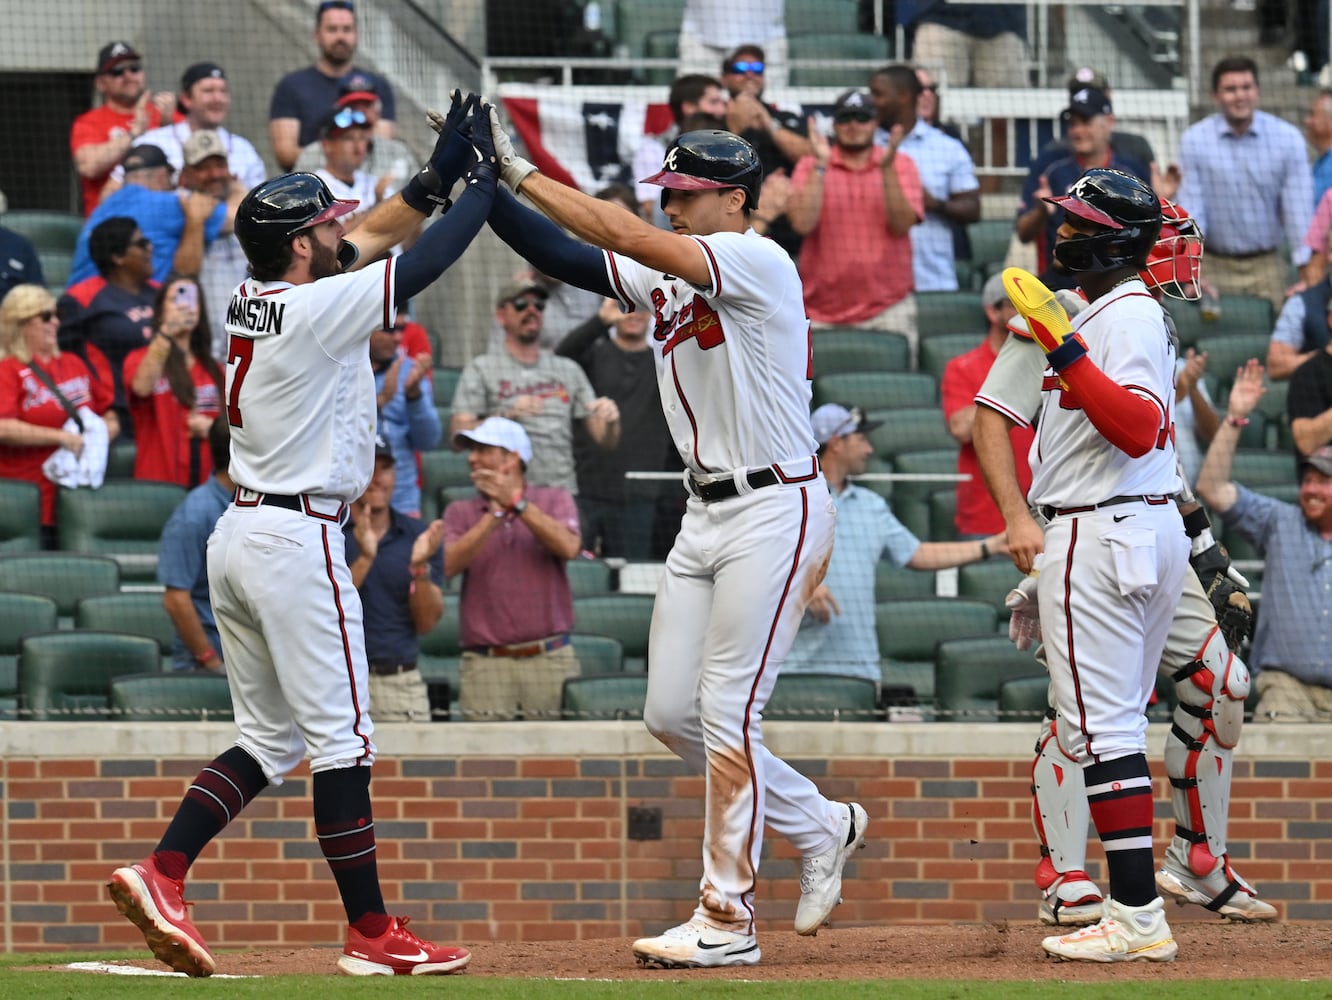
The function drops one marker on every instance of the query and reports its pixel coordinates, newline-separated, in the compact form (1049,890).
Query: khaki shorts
(495,688)
(1283,698)
(399,697)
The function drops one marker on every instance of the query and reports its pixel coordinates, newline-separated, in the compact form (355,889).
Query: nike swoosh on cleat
(710,947)
(420,956)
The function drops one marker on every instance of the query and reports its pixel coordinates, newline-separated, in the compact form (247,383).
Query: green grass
(44,985)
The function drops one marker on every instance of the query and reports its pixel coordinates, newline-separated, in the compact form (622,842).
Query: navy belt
(1248,255)
(1048,512)
(724,489)
(391,669)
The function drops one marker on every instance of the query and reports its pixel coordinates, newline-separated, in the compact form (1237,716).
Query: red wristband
(208,659)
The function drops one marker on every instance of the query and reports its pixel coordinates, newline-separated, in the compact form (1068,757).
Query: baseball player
(1210,681)
(1103,472)
(300,399)
(732,347)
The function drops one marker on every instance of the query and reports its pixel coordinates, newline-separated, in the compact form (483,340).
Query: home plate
(110,968)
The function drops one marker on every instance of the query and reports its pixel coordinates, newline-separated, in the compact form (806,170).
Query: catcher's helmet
(710,158)
(278,209)
(1125,213)
(1175,260)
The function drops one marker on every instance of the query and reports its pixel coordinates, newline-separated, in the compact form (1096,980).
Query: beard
(323,261)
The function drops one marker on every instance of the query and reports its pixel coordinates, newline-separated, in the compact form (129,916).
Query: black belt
(299,502)
(1048,512)
(1239,256)
(391,669)
(724,489)
(281,500)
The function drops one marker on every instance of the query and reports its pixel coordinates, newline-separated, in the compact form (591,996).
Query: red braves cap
(114,53)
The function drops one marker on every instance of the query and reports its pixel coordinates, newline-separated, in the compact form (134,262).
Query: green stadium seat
(942,506)
(820,59)
(626,617)
(65,577)
(638,23)
(438,661)
(1227,351)
(968,673)
(805,17)
(1024,699)
(47,230)
(844,349)
(443,383)
(892,582)
(598,654)
(1244,314)
(56,266)
(911,497)
(989,580)
(176,696)
(949,312)
(605,696)
(20,615)
(990,239)
(588,577)
(937,351)
(908,630)
(67,675)
(799,697)
(122,519)
(876,390)
(136,612)
(20,516)
(120,460)
(441,468)
(1256,468)
(909,428)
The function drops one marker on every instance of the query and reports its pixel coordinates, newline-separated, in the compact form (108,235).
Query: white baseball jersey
(733,358)
(300,392)
(1072,464)
(362,189)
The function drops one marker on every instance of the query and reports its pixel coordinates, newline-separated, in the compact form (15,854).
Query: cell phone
(187,296)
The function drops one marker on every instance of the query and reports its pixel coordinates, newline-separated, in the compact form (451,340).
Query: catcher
(1212,619)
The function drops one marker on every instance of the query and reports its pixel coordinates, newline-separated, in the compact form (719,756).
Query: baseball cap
(1320,459)
(500,432)
(144,156)
(521,286)
(355,87)
(1087,103)
(854,100)
(201,71)
(1085,76)
(834,420)
(339,120)
(382,449)
(201,145)
(114,53)
(994,292)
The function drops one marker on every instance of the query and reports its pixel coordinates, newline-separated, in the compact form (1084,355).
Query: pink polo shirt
(852,266)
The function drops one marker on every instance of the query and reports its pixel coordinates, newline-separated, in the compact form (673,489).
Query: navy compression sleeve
(549,248)
(443,243)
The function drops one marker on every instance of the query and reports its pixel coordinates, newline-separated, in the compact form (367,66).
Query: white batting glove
(1024,627)
(513,168)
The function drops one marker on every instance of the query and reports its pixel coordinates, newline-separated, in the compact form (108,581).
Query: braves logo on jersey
(696,320)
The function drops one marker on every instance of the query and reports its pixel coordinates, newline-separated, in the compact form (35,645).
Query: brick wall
(475,844)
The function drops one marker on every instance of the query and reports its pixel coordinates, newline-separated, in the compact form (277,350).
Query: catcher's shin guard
(1204,731)
(1061,816)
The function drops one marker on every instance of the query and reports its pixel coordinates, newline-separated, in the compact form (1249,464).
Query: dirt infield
(1007,951)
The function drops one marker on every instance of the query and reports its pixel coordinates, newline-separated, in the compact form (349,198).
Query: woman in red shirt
(174,386)
(31,415)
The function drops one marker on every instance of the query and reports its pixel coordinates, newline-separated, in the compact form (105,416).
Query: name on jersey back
(256,315)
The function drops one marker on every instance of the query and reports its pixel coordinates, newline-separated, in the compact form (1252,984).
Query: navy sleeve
(388,107)
(443,243)
(284,103)
(547,247)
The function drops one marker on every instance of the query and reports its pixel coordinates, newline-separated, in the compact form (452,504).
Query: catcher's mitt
(1234,613)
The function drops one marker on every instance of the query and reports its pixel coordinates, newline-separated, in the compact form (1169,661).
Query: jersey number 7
(240,350)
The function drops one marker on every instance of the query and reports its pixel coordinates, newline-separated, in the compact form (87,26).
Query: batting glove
(484,168)
(513,168)
(1046,318)
(1024,625)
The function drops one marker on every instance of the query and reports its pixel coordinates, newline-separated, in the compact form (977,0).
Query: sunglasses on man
(124,68)
(520,304)
(842,117)
(743,66)
(348,117)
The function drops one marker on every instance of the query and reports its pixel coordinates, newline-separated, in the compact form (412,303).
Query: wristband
(208,659)
(519,507)
(1066,353)
(1237,421)
(1196,522)
(425,192)
(985,549)
(419,571)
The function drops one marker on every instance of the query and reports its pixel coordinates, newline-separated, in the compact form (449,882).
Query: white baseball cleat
(1124,934)
(1222,890)
(1068,899)
(696,945)
(821,874)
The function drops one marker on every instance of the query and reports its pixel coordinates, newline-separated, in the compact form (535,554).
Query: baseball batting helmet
(1125,213)
(710,158)
(1175,260)
(278,209)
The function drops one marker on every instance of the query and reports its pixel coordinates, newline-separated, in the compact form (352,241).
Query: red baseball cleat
(156,905)
(398,952)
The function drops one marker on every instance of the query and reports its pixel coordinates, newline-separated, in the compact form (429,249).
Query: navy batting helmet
(278,209)
(1125,213)
(710,158)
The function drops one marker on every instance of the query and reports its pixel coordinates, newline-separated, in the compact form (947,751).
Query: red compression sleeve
(1129,422)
